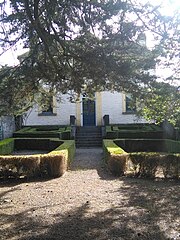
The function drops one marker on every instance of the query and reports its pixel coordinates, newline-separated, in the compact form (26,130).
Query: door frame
(82,97)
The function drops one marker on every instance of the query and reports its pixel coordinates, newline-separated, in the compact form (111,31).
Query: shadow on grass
(151,212)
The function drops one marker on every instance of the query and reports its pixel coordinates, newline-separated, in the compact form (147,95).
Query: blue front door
(89,112)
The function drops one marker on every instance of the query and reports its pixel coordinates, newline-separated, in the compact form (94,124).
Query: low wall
(8,126)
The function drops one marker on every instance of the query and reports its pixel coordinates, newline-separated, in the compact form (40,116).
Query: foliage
(53,164)
(6,146)
(16,92)
(160,102)
(68,148)
(111,148)
(148,145)
(148,164)
(44,132)
(142,164)
(75,45)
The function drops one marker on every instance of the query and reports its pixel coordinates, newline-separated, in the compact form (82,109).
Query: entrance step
(88,137)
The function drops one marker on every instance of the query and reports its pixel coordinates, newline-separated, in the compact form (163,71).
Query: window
(129,104)
(48,108)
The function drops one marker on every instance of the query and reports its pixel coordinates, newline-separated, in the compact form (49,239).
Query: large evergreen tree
(73,43)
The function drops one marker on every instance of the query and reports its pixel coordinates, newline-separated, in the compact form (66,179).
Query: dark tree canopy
(73,43)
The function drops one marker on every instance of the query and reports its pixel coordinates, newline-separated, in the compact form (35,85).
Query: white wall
(112,105)
(63,112)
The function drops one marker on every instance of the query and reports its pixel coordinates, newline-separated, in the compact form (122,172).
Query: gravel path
(87,203)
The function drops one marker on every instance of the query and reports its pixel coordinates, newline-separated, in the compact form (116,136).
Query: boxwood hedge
(53,164)
(61,132)
(143,164)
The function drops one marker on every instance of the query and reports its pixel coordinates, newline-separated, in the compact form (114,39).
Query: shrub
(16,166)
(172,146)
(115,157)
(6,146)
(53,164)
(142,164)
(63,132)
(36,144)
(148,145)
(141,134)
(148,164)
(117,164)
(68,149)
(150,131)
(170,164)
(111,135)
(66,135)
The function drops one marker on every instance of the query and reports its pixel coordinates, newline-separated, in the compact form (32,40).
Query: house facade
(112,107)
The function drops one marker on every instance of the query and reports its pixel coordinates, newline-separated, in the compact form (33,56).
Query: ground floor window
(48,108)
(129,104)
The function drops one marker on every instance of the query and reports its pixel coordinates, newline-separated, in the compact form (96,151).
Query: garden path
(88,203)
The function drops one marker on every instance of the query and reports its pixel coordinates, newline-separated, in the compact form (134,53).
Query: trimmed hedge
(53,164)
(148,164)
(68,148)
(134,134)
(6,146)
(63,132)
(36,144)
(141,134)
(111,156)
(150,131)
(149,145)
(143,164)
(172,146)
(136,126)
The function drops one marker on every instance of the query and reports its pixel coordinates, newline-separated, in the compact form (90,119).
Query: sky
(169,6)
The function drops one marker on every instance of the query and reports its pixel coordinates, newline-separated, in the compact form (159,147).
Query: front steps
(88,137)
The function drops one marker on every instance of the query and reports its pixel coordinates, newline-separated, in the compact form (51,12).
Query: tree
(17,95)
(75,43)
(160,103)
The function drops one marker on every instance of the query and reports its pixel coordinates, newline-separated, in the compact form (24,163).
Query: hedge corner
(115,158)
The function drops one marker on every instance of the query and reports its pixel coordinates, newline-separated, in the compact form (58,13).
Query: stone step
(88,129)
(88,141)
(89,145)
(88,137)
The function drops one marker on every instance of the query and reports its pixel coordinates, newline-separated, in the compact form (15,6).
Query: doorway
(89,114)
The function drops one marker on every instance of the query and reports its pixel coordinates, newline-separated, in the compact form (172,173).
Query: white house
(86,112)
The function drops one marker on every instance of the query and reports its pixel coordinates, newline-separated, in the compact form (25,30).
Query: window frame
(49,113)
(125,106)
